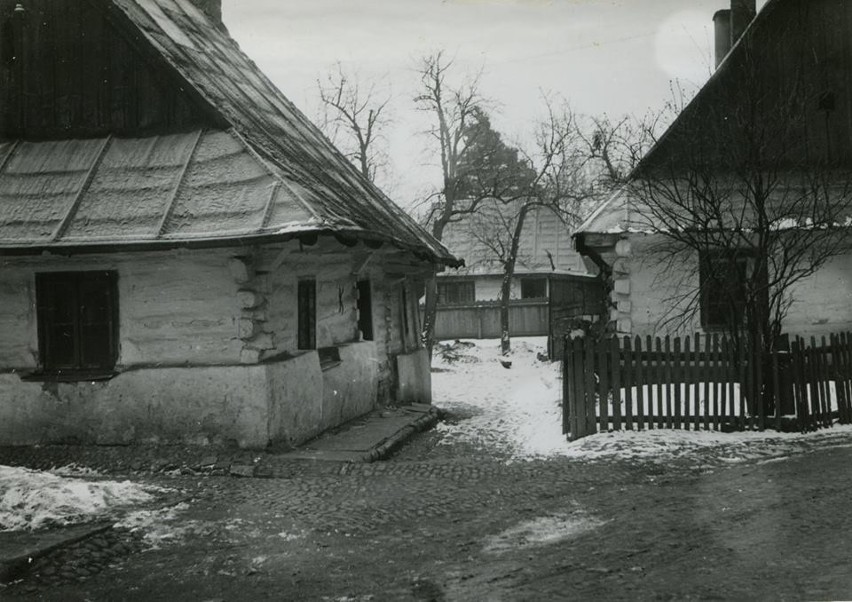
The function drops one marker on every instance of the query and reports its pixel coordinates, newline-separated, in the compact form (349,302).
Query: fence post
(639,379)
(615,382)
(627,384)
(591,387)
(776,389)
(566,387)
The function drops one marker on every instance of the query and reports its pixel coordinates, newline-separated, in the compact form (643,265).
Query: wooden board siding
(81,78)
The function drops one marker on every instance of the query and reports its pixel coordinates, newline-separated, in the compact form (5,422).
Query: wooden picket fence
(703,382)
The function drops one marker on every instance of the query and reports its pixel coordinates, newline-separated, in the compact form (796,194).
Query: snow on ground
(542,531)
(517,410)
(31,499)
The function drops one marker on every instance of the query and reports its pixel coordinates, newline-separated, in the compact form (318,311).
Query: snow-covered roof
(545,247)
(264,170)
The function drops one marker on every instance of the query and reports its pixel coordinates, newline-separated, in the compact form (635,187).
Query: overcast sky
(603,56)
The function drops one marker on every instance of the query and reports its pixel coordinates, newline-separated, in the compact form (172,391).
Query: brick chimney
(212,8)
(730,24)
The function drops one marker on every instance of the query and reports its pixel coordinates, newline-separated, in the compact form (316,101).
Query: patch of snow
(74,470)
(31,499)
(158,527)
(517,411)
(542,531)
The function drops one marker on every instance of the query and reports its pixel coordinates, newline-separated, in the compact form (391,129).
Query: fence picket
(699,367)
(689,383)
(627,383)
(665,359)
(658,383)
(591,388)
(843,377)
(640,380)
(615,380)
(603,385)
(776,390)
(678,378)
(759,376)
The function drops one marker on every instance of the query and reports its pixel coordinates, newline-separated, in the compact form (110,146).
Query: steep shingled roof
(545,246)
(268,172)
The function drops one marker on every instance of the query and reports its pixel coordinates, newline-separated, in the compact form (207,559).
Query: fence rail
(703,382)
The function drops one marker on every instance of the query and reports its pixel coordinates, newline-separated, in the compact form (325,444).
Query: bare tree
(554,176)
(452,108)
(354,117)
(755,201)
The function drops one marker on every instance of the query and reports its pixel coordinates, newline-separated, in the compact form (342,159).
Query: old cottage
(551,285)
(748,195)
(183,256)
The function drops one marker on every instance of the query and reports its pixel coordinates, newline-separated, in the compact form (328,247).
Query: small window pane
(77,320)
(456,293)
(533,288)
(307,314)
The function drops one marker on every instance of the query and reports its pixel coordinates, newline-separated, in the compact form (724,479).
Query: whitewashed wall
(649,295)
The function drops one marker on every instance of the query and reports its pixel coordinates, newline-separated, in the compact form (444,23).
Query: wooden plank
(759,370)
(818,403)
(659,377)
(604,371)
(722,372)
(678,378)
(776,390)
(567,384)
(589,405)
(578,408)
(825,381)
(839,372)
(667,379)
(843,377)
(738,369)
(640,379)
(615,366)
(796,375)
(709,378)
(702,371)
(628,384)
(710,359)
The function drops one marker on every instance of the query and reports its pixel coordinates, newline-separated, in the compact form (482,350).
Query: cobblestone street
(443,522)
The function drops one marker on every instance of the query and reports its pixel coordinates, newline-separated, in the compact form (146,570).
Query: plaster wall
(158,405)
(822,303)
(175,308)
(415,382)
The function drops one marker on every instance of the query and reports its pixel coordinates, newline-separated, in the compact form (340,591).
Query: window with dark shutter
(77,322)
(365,309)
(533,288)
(722,282)
(307,314)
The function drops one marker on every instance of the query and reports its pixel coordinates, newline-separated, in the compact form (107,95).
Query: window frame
(533,280)
(458,299)
(365,309)
(709,285)
(306,314)
(63,292)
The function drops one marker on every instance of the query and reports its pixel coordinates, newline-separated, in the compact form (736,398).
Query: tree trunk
(430,310)
(506,285)
(505,293)
(429,314)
